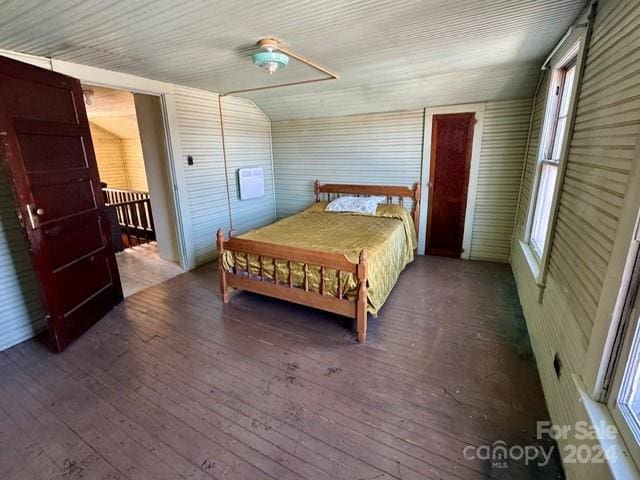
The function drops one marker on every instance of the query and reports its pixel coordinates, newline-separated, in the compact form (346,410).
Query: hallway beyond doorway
(141,267)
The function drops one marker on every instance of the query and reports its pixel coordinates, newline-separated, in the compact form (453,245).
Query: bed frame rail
(282,255)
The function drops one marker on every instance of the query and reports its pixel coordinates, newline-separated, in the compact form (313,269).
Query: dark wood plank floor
(172,384)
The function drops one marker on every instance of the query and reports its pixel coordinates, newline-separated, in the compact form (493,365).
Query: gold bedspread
(389,238)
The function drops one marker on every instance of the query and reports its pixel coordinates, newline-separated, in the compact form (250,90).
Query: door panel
(45,152)
(46,145)
(64,199)
(75,241)
(89,275)
(451,141)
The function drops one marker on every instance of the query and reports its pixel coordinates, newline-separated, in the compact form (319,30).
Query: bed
(344,263)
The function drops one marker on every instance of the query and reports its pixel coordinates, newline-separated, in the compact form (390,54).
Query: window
(551,150)
(623,383)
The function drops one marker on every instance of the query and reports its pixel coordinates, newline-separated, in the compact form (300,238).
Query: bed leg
(361,301)
(224,289)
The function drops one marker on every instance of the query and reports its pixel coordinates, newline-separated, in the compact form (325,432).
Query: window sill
(534,267)
(532,261)
(622,467)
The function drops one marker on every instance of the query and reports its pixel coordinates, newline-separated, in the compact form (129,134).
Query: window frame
(570,54)
(626,349)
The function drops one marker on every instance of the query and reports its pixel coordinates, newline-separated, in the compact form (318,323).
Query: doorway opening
(128,139)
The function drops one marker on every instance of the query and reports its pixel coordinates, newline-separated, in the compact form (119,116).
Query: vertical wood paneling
(134,162)
(604,140)
(110,157)
(199,126)
(504,140)
(248,144)
(384,148)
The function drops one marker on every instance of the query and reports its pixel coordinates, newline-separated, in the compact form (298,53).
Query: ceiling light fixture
(273,56)
(88,96)
(270,60)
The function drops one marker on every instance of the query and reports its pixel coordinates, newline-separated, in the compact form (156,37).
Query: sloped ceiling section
(389,54)
(113,110)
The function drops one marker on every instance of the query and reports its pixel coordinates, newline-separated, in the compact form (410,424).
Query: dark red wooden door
(451,141)
(46,145)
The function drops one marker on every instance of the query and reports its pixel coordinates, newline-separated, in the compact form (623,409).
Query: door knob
(40,212)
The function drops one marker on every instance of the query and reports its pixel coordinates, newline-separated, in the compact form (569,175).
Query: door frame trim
(478,109)
(166,93)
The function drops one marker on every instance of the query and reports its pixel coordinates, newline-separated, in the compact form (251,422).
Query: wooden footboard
(274,287)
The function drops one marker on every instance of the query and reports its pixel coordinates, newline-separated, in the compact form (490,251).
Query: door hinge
(557,90)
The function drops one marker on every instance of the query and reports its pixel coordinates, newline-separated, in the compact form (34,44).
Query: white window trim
(572,47)
(625,421)
(622,467)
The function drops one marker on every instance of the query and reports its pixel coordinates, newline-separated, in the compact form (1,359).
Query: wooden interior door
(451,142)
(46,145)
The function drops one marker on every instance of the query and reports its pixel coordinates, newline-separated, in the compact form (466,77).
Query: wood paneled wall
(605,140)
(387,148)
(248,144)
(110,157)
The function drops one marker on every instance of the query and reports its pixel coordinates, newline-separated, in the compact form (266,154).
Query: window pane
(543,207)
(629,396)
(559,137)
(566,91)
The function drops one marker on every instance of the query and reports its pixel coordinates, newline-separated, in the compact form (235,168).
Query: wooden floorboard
(174,384)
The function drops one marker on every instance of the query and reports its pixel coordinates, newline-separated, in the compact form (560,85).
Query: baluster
(389,199)
(153,227)
(246,262)
(261,260)
(321,280)
(290,273)
(126,224)
(306,277)
(144,221)
(138,222)
(340,288)
(401,200)
(275,271)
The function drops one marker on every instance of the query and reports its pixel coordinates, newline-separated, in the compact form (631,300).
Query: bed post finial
(317,190)
(361,301)
(224,290)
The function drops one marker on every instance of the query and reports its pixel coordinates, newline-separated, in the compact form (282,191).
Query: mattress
(389,238)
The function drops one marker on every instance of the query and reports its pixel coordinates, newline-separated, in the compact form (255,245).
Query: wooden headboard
(389,191)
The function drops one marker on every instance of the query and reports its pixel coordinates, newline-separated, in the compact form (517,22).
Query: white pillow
(363,205)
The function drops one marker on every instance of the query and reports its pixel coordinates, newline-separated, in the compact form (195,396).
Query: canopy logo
(579,445)
(499,454)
